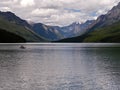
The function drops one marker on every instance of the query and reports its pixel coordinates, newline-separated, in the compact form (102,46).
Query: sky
(58,12)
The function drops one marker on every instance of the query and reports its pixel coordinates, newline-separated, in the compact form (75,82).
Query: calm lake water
(60,67)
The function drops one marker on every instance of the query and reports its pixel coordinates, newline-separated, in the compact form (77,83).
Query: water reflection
(60,68)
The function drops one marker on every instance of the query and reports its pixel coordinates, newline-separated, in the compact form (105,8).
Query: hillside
(106,34)
(48,32)
(20,31)
(8,37)
(12,18)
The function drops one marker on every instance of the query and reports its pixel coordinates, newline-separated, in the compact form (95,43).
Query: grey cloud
(52,12)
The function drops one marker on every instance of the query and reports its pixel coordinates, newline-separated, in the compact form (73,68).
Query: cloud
(44,12)
(58,12)
(25,3)
(5,9)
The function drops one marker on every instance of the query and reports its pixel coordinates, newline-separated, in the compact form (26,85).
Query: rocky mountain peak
(107,19)
(74,24)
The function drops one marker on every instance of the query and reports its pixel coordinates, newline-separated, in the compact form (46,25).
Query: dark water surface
(60,67)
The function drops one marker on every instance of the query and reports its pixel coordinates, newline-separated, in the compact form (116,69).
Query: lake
(50,66)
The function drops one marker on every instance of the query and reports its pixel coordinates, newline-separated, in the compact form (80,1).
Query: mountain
(41,30)
(8,37)
(75,29)
(12,18)
(54,33)
(109,33)
(48,32)
(104,29)
(74,32)
(110,18)
(10,25)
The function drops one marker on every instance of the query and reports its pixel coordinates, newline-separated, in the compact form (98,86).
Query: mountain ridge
(99,26)
(16,29)
(56,33)
(50,33)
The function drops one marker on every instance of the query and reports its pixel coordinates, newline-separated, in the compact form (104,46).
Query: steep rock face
(47,32)
(114,14)
(76,29)
(71,30)
(110,18)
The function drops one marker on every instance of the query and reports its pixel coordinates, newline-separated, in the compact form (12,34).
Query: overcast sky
(57,12)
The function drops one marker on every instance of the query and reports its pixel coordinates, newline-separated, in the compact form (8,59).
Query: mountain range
(54,33)
(49,33)
(106,28)
(17,28)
